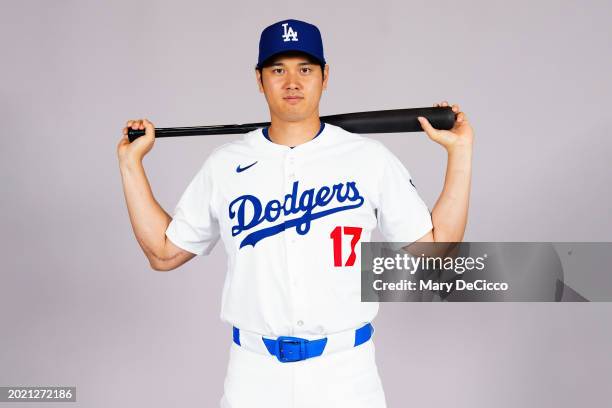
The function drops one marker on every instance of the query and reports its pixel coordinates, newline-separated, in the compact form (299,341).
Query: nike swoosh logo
(241,169)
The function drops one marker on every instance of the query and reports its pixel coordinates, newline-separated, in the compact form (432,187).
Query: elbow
(158,266)
(441,238)
(441,235)
(158,262)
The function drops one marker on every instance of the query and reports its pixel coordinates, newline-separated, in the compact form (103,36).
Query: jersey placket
(291,245)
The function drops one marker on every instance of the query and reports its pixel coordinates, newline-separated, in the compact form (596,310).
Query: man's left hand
(461,135)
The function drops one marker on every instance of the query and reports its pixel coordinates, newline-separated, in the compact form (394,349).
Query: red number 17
(336,236)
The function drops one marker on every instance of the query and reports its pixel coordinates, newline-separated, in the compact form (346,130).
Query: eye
(276,70)
(308,69)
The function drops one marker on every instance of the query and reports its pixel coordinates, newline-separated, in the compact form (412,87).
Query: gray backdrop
(78,302)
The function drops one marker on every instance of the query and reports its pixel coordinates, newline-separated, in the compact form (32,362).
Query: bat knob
(134,134)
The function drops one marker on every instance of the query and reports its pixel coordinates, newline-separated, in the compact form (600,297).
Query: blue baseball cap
(290,35)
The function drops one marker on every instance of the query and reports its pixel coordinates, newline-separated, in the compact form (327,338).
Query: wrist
(129,163)
(462,148)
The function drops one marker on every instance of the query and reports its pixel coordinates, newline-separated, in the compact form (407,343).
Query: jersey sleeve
(194,226)
(402,215)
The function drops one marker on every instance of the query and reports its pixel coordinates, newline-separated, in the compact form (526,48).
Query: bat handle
(134,134)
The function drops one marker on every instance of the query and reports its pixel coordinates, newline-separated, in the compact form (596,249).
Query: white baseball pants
(346,378)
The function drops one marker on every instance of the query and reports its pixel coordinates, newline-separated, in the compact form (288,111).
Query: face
(292,85)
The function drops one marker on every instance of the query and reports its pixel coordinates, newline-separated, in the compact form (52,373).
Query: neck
(294,133)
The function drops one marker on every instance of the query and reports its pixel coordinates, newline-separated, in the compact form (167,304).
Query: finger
(148,126)
(124,141)
(444,103)
(455,108)
(135,124)
(149,129)
(129,123)
(426,125)
(460,117)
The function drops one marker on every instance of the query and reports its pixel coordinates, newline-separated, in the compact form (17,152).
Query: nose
(292,80)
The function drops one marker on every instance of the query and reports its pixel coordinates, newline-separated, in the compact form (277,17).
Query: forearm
(149,220)
(449,215)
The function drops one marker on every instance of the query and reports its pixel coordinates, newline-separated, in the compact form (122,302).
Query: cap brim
(263,63)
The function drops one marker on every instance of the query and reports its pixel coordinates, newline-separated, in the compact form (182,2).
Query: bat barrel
(393,120)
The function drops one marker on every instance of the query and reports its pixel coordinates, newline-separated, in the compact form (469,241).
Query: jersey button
(299,322)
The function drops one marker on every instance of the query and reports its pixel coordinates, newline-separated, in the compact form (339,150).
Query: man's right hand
(134,152)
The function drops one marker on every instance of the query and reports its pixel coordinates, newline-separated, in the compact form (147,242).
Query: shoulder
(375,149)
(233,150)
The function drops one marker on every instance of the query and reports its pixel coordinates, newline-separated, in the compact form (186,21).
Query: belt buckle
(283,356)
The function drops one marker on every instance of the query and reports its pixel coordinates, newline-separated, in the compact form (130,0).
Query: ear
(326,72)
(259,83)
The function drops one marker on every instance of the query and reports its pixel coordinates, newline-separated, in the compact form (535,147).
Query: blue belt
(289,349)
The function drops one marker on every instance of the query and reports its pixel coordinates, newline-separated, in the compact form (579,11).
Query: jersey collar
(261,138)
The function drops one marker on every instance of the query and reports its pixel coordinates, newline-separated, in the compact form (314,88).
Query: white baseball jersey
(291,221)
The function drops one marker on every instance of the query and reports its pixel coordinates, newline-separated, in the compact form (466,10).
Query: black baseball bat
(381,121)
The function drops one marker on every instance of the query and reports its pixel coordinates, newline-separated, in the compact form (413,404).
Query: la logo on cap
(289,35)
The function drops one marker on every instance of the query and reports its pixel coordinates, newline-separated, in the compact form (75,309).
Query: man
(291,203)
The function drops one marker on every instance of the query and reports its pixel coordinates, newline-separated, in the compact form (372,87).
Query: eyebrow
(301,63)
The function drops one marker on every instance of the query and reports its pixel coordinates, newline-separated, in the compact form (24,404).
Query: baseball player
(292,203)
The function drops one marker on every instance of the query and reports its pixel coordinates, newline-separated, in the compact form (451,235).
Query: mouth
(293,99)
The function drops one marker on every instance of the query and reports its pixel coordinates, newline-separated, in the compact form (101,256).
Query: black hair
(268,62)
